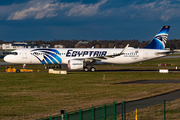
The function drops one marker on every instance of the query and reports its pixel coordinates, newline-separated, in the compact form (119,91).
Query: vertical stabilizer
(159,40)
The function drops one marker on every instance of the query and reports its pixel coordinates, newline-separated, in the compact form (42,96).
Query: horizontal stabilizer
(166,52)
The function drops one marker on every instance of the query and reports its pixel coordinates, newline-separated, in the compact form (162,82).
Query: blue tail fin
(160,39)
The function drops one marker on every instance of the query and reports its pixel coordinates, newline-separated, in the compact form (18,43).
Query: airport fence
(133,110)
(105,112)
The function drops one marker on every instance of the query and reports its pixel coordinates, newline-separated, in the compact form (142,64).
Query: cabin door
(24,54)
(145,54)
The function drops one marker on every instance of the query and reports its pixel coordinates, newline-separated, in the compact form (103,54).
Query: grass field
(36,95)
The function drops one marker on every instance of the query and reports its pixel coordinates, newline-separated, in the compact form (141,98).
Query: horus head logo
(162,38)
(47,56)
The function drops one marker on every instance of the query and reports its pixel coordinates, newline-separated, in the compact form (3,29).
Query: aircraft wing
(92,59)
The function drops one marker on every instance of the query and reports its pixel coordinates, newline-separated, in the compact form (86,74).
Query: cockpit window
(13,53)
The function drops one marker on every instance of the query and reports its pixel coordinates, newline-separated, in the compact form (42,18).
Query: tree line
(172,44)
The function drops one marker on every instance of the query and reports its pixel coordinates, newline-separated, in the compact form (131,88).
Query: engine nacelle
(76,64)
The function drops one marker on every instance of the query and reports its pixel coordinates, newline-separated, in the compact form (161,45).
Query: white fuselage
(131,55)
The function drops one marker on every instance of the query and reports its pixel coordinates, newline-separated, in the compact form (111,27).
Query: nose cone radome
(7,58)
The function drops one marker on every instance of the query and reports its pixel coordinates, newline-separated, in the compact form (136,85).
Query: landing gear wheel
(92,69)
(17,71)
(85,69)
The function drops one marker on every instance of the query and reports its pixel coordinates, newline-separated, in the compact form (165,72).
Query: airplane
(80,58)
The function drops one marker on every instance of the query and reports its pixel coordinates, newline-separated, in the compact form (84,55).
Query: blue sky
(87,19)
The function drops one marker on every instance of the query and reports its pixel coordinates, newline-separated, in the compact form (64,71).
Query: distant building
(19,45)
(177,51)
(81,44)
(59,46)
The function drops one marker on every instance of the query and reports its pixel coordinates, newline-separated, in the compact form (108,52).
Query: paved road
(171,57)
(144,103)
(5,63)
(151,82)
(130,70)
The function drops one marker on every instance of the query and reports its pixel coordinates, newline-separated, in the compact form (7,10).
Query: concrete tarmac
(144,103)
(5,63)
(171,57)
(147,102)
(152,82)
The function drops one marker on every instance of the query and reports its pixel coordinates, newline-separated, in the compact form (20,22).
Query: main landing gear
(92,69)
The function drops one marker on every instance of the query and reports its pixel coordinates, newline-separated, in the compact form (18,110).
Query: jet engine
(76,64)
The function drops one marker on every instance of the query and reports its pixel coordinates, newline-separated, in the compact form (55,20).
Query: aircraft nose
(7,58)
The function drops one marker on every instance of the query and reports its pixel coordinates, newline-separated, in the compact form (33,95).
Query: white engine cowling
(76,64)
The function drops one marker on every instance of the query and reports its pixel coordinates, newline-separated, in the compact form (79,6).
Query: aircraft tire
(85,69)
(93,69)
(17,71)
